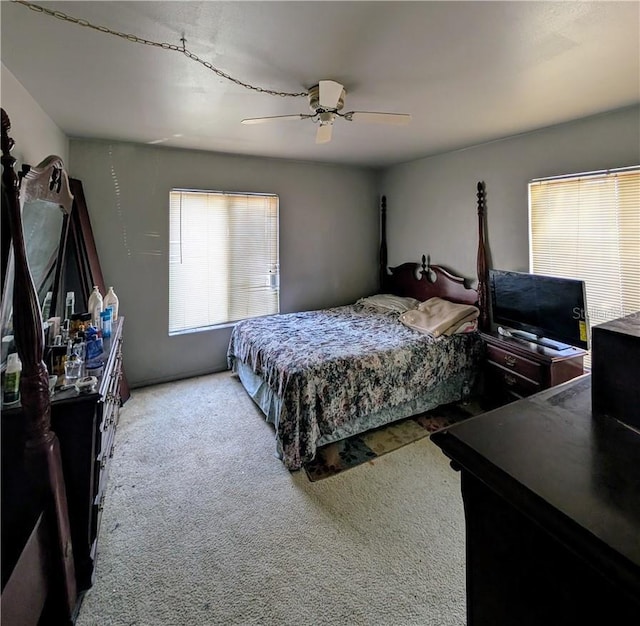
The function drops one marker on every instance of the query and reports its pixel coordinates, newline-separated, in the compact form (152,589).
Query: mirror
(46,202)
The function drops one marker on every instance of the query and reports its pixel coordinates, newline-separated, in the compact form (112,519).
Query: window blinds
(588,227)
(223,258)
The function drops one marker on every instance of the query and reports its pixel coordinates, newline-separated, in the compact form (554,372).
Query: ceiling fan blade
(324,133)
(329,92)
(397,119)
(261,120)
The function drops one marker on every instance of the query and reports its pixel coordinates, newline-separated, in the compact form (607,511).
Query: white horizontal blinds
(221,248)
(252,256)
(588,227)
(629,202)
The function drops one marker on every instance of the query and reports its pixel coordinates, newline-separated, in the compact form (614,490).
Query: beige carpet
(203,525)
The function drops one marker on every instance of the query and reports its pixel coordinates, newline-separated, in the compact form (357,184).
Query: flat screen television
(545,309)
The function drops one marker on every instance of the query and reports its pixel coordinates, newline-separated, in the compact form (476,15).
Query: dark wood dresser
(85,425)
(516,369)
(552,508)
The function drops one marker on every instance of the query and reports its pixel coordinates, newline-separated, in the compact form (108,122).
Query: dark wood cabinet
(85,425)
(551,497)
(515,369)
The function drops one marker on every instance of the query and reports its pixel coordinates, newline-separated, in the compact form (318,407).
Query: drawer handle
(510,380)
(509,360)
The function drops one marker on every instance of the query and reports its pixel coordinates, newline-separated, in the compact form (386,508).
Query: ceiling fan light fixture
(326,117)
(323,135)
(326,100)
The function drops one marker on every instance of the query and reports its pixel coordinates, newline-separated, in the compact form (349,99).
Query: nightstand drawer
(518,364)
(502,378)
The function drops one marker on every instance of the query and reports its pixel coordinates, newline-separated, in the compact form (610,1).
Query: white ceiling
(468,72)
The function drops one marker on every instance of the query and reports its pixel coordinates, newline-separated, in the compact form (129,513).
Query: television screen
(547,307)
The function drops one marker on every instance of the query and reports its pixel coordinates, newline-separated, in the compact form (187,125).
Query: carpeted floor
(365,448)
(203,525)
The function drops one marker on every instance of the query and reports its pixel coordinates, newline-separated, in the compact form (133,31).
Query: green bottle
(11,392)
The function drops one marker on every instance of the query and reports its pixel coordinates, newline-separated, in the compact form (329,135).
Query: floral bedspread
(335,365)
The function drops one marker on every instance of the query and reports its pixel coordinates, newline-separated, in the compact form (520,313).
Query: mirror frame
(47,182)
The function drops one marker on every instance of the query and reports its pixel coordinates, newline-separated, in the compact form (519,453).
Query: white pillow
(386,302)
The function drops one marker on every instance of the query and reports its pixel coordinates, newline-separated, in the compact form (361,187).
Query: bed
(321,376)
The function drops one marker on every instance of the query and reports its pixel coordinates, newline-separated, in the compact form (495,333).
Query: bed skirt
(270,404)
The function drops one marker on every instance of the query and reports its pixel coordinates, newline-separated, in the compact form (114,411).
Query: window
(587,227)
(223,258)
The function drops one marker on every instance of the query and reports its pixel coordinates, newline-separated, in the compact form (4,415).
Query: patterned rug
(366,447)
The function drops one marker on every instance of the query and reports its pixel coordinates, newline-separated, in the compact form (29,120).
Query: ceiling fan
(326,100)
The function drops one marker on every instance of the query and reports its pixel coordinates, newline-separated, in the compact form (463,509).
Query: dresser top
(531,350)
(549,457)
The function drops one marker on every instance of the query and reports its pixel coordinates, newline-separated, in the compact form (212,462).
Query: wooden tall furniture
(552,507)
(85,425)
(55,453)
(43,575)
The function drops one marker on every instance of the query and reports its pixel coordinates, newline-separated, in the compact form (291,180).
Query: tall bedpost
(42,450)
(483,287)
(383,243)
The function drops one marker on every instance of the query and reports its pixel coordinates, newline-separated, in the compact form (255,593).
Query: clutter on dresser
(75,349)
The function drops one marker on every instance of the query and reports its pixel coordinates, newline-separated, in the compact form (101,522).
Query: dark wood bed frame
(423,281)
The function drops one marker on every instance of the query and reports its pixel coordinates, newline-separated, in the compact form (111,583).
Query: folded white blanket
(437,316)
(466,326)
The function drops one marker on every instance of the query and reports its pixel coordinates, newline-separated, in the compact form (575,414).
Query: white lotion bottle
(111,300)
(95,306)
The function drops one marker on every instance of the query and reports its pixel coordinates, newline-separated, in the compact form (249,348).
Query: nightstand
(515,368)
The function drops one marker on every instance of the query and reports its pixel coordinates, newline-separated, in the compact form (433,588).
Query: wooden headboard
(423,281)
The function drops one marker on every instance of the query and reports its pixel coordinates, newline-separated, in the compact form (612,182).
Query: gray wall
(35,133)
(328,214)
(328,239)
(432,201)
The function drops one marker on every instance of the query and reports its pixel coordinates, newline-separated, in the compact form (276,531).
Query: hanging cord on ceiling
(165,46)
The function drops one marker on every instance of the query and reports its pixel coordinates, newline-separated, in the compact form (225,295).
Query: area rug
(366,447)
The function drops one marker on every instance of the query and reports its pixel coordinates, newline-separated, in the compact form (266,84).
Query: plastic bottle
(94,353)
(12,379)
(111,300)
(95,305)
(46,306)
(69,305)
(105,322)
